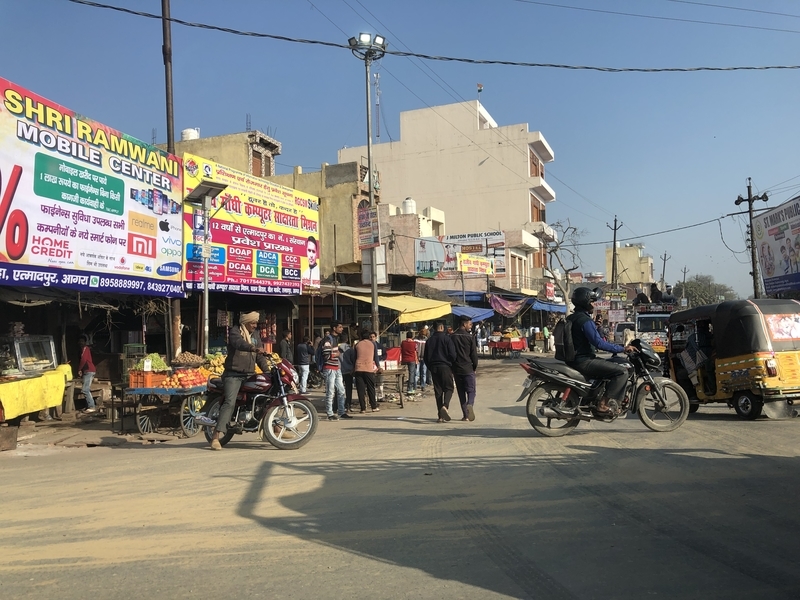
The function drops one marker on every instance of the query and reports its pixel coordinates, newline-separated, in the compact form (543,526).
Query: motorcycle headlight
(295,377)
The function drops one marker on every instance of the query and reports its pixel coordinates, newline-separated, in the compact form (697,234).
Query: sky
(659,150)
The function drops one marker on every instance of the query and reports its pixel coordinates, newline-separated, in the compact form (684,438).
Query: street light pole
(370,48)
(753,256)
(206,255)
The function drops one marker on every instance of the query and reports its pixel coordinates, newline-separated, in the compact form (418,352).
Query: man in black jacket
(285,349)
(243,354)
(464,366)
(439,355)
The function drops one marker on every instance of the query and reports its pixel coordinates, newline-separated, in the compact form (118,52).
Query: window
(536,165)
(258,164)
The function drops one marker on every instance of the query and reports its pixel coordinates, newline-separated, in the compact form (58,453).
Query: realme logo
(139,223)
(141,245)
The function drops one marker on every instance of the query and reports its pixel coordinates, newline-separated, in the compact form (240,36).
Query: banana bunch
(215,363)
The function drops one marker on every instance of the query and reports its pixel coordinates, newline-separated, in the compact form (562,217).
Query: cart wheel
(190,407)
(148,414)
(494,353)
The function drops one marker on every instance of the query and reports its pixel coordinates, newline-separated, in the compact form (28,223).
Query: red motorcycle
(267,403)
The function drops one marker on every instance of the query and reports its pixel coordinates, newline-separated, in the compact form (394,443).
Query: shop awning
(411,308)
(476,314)
(548,306)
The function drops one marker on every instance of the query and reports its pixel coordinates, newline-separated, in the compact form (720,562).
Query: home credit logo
(141,245)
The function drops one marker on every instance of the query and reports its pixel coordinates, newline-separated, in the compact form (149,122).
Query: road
(394,505)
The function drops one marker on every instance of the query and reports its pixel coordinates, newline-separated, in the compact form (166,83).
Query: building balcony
(540,146)
(542,189)
(530,286)
(519,239)
(542,230)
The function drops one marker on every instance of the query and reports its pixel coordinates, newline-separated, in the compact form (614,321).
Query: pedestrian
(365,367)
(449,330)
(440,353)
(305,353)
(373,335)
(240,363)
(546,337)
(347,366)
(465,366)
(334,385)
(409,357)
(422,369)
(86,371)
(285,350)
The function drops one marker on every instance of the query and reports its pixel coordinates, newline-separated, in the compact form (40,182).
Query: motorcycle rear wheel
(208,431)
(662,417)
(544,396)
(289,428)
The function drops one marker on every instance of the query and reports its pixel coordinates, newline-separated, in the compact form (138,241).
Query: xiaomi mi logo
(141,245)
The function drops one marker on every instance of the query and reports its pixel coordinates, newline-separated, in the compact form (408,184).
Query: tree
(563,252)
(702,289)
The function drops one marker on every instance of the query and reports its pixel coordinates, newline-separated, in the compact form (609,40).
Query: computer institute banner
(83,206)
(264,237)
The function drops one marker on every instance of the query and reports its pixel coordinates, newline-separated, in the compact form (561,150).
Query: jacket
(439,350)
(285,350)
(408,351)
(304,353)
(586,338)
(366,356)
(241,353)
(466,361)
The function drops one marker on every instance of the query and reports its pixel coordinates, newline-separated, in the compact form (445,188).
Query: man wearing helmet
(587,341)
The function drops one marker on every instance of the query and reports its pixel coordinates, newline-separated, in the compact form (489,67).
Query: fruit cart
(503,346)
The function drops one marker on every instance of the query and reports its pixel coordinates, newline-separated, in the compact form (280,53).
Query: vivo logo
(170,241)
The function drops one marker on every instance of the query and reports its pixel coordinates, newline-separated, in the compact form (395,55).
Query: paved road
(394,505)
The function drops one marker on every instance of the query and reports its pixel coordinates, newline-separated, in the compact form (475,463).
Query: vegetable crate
(131,354)
(146,379)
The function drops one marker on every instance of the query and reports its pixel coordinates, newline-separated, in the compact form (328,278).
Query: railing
(517,282)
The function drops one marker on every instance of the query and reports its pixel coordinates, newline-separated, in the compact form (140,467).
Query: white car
(619,330)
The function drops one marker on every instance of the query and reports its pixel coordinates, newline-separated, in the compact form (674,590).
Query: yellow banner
(477,265)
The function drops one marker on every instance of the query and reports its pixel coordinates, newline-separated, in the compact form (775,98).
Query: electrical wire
(739,8)
(472,61)
(654,17)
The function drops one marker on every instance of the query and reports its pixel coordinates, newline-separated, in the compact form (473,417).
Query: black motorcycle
(559,397)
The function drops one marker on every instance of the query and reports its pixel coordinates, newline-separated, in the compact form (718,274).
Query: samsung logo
(170,268)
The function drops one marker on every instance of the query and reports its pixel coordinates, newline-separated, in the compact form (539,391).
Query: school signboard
(777,239)
(437,257)
(83,206)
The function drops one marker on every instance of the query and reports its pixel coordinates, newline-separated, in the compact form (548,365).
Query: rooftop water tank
(192,133)
(409,206)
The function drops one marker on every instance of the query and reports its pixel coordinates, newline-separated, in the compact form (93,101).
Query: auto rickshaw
(745,353)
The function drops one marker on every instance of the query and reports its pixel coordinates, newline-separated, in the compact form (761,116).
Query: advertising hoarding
(264,237)
(777,239)
(83,206)
(476,265)
(369,231)
(437,257)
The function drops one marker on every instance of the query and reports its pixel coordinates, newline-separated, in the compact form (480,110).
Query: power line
(472,61)
(739,8)
(654,17)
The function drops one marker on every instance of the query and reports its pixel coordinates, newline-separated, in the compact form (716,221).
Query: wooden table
(399,377)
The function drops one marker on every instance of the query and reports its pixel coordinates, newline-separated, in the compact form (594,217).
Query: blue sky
(659,150)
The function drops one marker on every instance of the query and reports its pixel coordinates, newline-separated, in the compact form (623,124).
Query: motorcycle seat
(563,368)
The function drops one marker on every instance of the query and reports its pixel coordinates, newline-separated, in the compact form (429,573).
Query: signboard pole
(206,255)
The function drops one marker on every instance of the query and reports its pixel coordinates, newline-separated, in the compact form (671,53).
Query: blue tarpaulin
(476,314)
(468,296)
(549,306)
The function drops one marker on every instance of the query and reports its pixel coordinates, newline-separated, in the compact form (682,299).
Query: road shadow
(680,523)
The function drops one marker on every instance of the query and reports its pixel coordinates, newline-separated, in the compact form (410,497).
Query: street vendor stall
(511,342)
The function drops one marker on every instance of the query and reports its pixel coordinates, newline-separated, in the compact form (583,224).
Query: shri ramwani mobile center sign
(83,206)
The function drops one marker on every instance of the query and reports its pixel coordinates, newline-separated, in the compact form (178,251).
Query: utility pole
(683,289)
(665,258)
(615,228)
(750,199)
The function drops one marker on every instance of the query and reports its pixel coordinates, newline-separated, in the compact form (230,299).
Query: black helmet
(583,297)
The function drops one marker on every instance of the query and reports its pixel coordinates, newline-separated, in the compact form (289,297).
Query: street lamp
(201,197)
(750,199)
(370,48)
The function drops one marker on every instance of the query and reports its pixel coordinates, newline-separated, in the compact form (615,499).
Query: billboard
(476,265)
(83,206)
(777,238)
(369,230)
(264,237)
(437,257)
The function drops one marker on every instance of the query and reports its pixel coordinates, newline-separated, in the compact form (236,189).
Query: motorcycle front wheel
(665,411)
(213,413)
(289,427)
(546,396)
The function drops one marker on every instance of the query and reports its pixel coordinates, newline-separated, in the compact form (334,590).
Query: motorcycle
(268,404)
(559,397)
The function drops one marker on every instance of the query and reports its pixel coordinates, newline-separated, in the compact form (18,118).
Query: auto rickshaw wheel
(747,405)
(694,407)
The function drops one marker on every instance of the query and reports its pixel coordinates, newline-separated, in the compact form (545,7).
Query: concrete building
(483,176)
(634,267)
(253,152)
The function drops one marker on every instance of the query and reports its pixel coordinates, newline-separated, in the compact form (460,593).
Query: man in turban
(243,354)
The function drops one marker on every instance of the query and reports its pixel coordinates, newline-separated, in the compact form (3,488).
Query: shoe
(470,412)
(443,414)
(362,411)
(603,407)
(465,419)
(90,410)
(440,420)
(333,418)
(376,409)
(204,420)
(345,416)
(215,445)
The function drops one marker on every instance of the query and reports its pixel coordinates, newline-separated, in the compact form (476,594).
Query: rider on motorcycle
(243,354)
(587,341)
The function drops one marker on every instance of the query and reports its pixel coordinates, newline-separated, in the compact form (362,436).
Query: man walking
(440,353)
(464,367)
(332,373)
(422,369)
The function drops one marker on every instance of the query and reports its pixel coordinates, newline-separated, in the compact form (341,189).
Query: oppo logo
(170,252)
